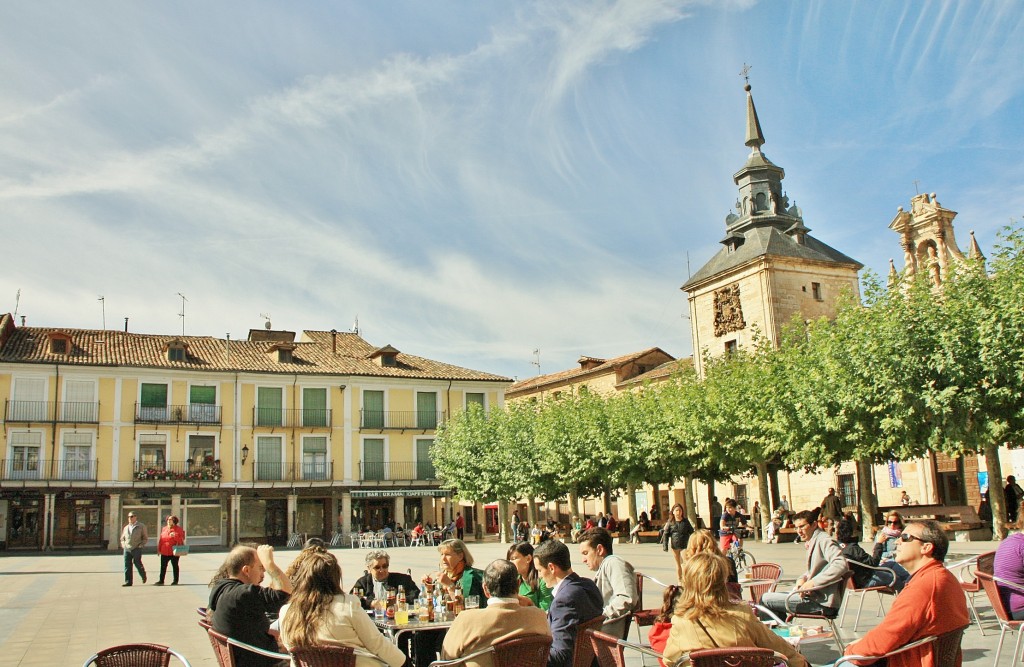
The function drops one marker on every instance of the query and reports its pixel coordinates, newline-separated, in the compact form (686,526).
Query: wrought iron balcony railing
(194,413)
(292,418)
(35,412)
(413,420)
(29,468)
(190,471)
(396,470)
(279,471)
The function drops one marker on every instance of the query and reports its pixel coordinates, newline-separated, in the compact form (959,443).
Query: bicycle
(741,558)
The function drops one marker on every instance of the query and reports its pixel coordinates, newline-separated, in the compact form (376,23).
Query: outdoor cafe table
(394,631)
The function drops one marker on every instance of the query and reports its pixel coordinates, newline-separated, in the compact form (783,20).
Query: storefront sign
(410,493)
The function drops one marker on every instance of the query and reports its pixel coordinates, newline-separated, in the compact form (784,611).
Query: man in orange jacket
(932,602)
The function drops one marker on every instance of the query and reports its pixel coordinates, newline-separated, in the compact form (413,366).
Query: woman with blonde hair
(320,614)
(706,618)
(703,542)
(456,575)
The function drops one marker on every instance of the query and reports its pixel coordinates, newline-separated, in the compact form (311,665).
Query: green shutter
(426,410)
(202,395)
(474,398)
(268,458)
(373,409)
(153,395)
(373,458)
(314,406)
(268,406)
(424,464)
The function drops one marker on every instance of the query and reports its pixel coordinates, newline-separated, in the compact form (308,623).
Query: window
(153,402)
(268,458)
(29,402)
(373,409)
(201,449)
(475,398)
(25,450)
(848,490)
(268,406)
(59,345)
(314,406)
(314,457)
(730,346)
(739,492)
(153,451)
(175,354)
(79,401)
(426,409)
(816,291)
(202,404)
(373,459)
(77,462)
(424,464)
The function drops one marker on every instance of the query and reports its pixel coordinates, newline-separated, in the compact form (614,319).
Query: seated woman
(320,614)
(706,618)
(457,575)
(658,637)
(1009,566)
(862,576)
(531,586)
(887,537)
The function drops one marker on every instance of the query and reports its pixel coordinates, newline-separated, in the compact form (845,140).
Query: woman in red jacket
(172,535)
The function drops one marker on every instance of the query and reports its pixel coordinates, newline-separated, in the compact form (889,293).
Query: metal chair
(523,651)
(964,571)
(242,646)
(1006,623)
(851,589)
(645,617)
(871,659)
(734,657)
(947,648)
(827,614)
(766,571)
(136,655)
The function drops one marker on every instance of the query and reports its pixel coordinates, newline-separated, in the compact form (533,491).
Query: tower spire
(755,139)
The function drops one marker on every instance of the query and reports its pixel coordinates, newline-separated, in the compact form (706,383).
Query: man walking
(831,509)
(460,526)
(133,538)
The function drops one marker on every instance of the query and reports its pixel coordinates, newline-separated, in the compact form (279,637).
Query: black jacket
(676,534)
(394,580)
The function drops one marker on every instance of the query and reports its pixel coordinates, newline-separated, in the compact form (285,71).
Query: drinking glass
(472,602)
(378,609)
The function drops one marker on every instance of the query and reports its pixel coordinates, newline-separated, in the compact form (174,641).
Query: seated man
(239,604)
(576,600)
(503,618)
(378,578)
(932,602)
(615,579)
(825,567)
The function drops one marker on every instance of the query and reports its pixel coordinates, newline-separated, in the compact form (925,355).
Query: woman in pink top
(171,535)
(1009,566)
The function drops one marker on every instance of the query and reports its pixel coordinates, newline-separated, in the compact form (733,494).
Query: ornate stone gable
(728,310)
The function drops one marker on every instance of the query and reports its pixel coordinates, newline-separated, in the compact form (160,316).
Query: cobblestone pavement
(57,609)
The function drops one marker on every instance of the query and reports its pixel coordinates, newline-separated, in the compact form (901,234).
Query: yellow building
(260,439)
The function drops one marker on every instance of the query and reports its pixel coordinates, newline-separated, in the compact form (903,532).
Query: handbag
(180,550)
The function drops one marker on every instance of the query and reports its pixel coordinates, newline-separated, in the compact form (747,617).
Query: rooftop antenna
(182,313)
(688,265)
(103,309)
(266,324)
(536,359)
(17,302)
(355,326)
(916,189)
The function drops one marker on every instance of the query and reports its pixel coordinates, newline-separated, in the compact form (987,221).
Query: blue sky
(472,180)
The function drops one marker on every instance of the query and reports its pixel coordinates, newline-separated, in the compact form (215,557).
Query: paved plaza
(57,609)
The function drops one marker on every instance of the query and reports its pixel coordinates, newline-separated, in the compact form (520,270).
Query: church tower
(769,269)
(926,234)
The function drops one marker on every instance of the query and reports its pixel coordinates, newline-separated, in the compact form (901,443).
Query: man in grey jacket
(615,579)
(133,538)
(826,568)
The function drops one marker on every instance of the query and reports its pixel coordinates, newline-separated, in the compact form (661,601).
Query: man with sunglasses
(932,602)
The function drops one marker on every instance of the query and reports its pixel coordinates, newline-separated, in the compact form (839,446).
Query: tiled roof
(563,377)
(660,373)
(312,355)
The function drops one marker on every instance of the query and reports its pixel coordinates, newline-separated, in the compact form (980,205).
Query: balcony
(399,420)
(197,414)
(38,412)
(371,471)
(277,471)
(177,471)
(48,470)
(306,418)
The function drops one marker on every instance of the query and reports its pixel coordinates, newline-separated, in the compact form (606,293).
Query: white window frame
(256,402)
(93,410)
(387,454)
(326,455)
(168,402)
(40,463)
(208,434)
(280,462)
(465,399)
(30,413)
(138,447)
(65,472)
(201,412)
(362,406)
(415,459)
(327,404)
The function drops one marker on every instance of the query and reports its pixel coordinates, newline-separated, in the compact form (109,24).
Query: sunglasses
(893,522)
(907,537)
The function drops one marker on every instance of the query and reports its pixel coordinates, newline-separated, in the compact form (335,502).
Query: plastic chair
(523,651)
(964,571)
(1006,623)
(771,571)
(136,655)
(870,659)
(583,651)
(851,589)
(735,657)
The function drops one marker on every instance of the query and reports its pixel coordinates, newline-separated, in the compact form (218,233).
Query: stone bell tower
(769,269)
(926,234)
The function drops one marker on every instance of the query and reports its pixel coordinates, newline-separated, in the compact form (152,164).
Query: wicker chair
(136,655)
(764,571)
(524,651)
(1006,622)
(851,590)
(324,656)
(221,648)
(583,651)
(735,657)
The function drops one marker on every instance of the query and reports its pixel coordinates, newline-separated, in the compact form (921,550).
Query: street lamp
(245,453)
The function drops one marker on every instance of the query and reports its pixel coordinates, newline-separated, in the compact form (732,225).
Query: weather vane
(745,73)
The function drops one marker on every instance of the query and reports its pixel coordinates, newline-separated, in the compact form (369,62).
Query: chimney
(334,341)
(126,325)
(22,320)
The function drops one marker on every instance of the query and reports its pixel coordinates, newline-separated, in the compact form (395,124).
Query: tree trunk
(504,521)
(657,500)
(574,504)
(764,496)
(868,501)
(531,511)
(631,503)
(996,500)
(607,501)
(688,500)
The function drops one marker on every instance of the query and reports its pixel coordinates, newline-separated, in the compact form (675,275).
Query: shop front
(372,509)
(203,516)
(79,521)
(25,519)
